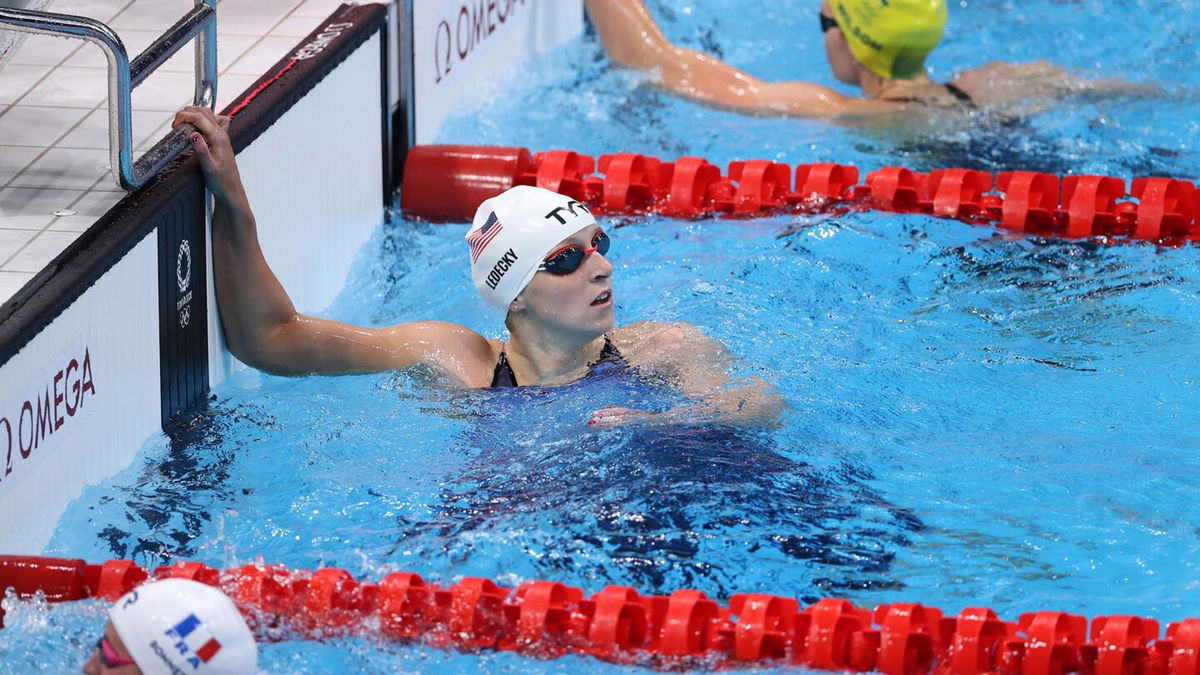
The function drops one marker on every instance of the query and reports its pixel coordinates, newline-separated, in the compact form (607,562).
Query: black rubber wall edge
(182,300)
(174,201)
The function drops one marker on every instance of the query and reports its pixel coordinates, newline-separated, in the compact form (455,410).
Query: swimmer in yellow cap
(890,38)
(877,45)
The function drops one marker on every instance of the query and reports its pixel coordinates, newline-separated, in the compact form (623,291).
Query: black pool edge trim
(78,267)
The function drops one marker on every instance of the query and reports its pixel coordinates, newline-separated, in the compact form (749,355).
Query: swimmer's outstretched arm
(263,328)
(632,39)
(690,361)
(999,83)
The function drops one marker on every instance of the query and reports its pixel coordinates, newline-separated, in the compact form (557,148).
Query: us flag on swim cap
(484,236)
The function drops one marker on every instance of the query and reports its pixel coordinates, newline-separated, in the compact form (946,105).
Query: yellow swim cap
(891,37)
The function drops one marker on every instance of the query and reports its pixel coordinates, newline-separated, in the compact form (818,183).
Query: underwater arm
(632,39)
(752,405)
(262,327)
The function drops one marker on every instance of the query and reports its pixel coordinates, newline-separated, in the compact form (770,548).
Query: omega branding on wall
(462,47)
(456,38)
(46,410)
(321,41)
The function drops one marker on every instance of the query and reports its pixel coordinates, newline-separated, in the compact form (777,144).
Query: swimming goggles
(568,258)
(827,22)
(109,656)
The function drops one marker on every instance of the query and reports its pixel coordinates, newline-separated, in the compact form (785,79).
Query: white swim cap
(184,626)
(513,232)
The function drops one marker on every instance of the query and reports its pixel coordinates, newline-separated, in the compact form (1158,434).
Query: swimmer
(174,626)
(879,47)
(536,256)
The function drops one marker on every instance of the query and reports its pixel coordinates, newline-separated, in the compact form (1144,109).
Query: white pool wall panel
(115,323)
(464,49)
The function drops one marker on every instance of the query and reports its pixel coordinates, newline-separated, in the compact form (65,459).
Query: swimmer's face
(578,302)
(95,665)
(837,51)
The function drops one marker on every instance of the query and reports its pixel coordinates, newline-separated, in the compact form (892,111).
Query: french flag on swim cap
(484,236)
(192,636)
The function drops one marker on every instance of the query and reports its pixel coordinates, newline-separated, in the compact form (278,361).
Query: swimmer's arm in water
(999,82)
(632,39)
(690,361)
(263,328)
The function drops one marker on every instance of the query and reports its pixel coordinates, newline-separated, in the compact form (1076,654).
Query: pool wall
(460,46)
(81,398)
(117,340)
(119,337)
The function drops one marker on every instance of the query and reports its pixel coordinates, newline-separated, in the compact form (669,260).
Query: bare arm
(262,326)
(691,362)
(1000,83)
(632,39)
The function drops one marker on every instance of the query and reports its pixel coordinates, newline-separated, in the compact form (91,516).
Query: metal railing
(124,75)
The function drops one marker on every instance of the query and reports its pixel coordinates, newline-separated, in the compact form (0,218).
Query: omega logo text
(475,22)
(31,420)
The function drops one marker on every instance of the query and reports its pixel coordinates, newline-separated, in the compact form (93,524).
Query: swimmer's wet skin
(878,47)
(536,257)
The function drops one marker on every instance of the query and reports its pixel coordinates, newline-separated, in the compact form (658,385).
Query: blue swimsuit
(504,376)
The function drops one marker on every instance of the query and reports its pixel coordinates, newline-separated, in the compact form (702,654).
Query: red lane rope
(545,619)
(447,182)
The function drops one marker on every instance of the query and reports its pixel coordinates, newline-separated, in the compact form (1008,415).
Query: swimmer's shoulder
(636,335)
(455,350)
(651,340)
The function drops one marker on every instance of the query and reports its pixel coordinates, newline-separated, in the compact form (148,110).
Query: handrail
(123,76)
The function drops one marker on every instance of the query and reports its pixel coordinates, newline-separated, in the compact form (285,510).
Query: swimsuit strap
(959,94)
(608,353)
(503,375)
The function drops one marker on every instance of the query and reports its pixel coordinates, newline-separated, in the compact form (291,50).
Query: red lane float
(762,186)
(819,184)
(688,182)
(1167,208)
(958,193)
(1030,201)
(447,182)
(439,179)
(1089,204)
(630,181)
(547,619)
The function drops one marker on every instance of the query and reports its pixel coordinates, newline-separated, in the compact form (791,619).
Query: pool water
(973,418)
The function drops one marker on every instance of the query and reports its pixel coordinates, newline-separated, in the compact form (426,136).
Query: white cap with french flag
(512,233)
(180,625)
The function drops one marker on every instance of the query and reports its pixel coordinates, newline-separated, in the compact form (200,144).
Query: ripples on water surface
(973,419)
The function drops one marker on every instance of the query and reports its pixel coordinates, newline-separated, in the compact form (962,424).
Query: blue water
(973,418)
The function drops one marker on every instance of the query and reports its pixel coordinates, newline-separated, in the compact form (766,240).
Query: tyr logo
(569,208)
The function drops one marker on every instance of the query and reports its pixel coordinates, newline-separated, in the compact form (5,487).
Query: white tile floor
(54,172)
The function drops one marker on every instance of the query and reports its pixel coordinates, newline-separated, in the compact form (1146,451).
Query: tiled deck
(54,173)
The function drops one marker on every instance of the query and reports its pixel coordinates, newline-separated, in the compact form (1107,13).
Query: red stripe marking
(209,650)
(259,89)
